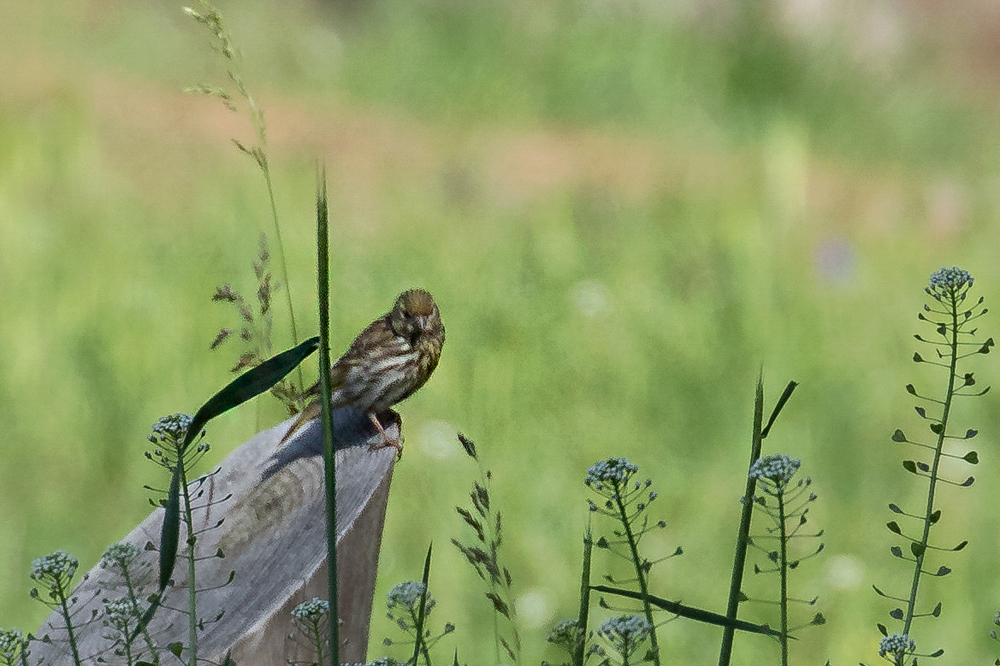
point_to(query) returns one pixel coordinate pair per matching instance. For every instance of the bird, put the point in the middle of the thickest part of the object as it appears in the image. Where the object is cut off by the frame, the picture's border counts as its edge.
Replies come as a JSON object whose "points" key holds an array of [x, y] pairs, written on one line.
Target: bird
{"points": [[388, 361]]}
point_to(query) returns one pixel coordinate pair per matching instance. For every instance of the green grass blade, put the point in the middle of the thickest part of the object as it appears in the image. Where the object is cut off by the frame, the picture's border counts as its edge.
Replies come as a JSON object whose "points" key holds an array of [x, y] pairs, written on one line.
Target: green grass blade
{"points": [[249, 385], [420, 647], [690, 612], [329, 462], [171, 530], [743, 534], [579, 656], [785, 395]]}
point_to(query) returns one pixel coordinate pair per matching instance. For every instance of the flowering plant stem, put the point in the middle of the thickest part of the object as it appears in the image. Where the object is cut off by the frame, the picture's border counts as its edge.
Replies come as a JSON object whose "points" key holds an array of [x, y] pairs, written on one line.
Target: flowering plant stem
{"points": [[928, 519], [579, 650], [192, 588], [64, 606], [620, 490], [154, 655], [316, 639], [783, 573]]}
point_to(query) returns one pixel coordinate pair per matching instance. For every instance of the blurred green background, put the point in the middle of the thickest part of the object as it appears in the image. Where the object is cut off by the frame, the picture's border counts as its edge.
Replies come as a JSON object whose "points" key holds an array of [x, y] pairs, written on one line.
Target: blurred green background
{"points": [[624, 210]]}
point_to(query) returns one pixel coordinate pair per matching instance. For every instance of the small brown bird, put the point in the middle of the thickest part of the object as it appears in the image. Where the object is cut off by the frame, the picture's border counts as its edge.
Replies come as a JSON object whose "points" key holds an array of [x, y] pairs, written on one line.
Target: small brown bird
{"points": [[386, 363]]}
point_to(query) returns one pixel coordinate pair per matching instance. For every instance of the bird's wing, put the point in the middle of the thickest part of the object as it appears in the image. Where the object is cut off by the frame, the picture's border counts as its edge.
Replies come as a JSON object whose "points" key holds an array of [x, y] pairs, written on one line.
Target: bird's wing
{"points": [[369, 342]]}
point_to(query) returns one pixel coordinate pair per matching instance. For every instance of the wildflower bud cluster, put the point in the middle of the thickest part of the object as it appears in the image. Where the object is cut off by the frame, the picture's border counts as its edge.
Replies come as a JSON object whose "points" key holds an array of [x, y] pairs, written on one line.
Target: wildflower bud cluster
{"points": [[168, 437], [895, 645], [121, 614], [55, 569], [949, 279], [625, 633], [775, 470], [313, 610], [119, 555], [612, 479], [407, 597], [13, 647]]}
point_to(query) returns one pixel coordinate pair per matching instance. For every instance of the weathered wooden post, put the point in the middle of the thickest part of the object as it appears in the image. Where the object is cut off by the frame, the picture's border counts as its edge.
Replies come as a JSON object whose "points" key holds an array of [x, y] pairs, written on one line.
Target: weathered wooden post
{"points": [[264, 510]]}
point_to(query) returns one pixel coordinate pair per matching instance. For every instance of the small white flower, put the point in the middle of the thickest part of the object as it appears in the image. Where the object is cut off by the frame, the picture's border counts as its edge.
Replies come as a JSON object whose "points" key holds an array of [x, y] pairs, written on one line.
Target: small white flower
{"points": [[119, 554], [565, 634], [950, 278], [611, 470], [776, 468], [894, 645], [122, 614], [171, 428], [408, 596], [625, 632], [311, 611], [11, 645], [54, 567]]}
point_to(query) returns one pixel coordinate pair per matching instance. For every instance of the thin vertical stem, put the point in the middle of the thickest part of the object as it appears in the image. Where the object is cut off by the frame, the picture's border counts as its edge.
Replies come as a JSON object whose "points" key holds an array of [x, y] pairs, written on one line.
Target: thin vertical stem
{"points": [[69, 625], [932, 486], [192, 588], [281, 254], [583, 618], [329, 467], [743, 534], [135, 603], [420, 645], [783, 572], [640, 572], [318, 640]]}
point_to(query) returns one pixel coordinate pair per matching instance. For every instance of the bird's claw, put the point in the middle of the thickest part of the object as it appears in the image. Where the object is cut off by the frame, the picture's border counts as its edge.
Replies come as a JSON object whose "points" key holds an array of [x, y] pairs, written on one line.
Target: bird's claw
{"points": [[386, 439], [386, 443]]}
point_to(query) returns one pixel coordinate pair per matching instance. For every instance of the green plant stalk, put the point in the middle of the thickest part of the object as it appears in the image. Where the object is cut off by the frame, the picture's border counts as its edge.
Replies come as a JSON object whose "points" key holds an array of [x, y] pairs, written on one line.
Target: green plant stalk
{"points": [[419, 645], [932, 486], [260, 156], [329, 462], [260, 127], [281, 253], [743, 534], [128, 653], [498, 585], [420, 648], [496, 637], [135, 603], [783, 572], [63, 603], [500, 589], [192, 589], [583, 618], [317, 639], [640, 574]]}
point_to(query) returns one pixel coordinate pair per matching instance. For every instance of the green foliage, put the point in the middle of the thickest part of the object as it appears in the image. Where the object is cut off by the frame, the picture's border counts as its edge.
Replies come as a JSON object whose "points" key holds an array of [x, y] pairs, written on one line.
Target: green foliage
{"points": [[955, 340], [687, 223]]}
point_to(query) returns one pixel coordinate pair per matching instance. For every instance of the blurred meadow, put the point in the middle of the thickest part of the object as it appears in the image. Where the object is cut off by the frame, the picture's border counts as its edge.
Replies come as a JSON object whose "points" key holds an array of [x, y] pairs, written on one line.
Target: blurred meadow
{"points": [[624, 210]]}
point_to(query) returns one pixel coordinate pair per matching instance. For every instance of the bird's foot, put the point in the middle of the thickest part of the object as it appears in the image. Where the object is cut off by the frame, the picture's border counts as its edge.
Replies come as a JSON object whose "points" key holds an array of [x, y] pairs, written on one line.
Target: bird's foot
{"points": [[386, 440], [386, 443]]}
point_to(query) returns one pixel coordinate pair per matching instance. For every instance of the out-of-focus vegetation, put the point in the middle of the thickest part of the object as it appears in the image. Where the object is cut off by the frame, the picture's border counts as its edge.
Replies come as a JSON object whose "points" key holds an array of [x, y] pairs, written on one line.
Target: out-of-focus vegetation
{"points": [[624, 210]]}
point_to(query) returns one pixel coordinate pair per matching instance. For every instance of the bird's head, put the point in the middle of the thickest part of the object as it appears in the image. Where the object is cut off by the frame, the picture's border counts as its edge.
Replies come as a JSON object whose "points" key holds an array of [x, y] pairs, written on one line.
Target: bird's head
{"points": [[414, 314]]}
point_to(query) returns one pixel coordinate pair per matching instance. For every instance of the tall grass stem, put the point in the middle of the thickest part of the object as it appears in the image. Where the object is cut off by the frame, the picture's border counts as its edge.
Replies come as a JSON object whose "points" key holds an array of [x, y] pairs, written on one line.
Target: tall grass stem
{"points": [[329, 463]]}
